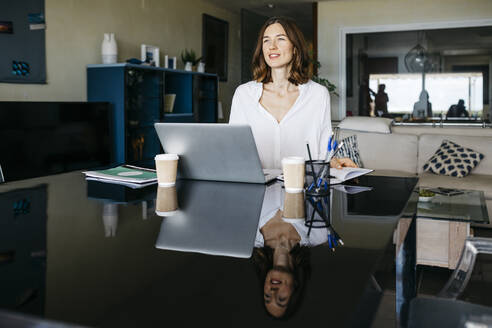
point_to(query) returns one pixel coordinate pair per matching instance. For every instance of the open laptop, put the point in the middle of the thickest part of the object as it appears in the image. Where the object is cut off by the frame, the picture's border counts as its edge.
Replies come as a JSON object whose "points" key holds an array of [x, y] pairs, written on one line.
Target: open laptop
{"points": [[215, 218], [218, 152]]}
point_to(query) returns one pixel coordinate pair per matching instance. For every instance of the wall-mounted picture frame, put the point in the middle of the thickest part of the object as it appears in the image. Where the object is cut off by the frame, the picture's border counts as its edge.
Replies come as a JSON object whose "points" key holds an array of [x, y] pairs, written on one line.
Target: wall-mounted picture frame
{"points": [[21, 42], [149, 54], [215, 43]]}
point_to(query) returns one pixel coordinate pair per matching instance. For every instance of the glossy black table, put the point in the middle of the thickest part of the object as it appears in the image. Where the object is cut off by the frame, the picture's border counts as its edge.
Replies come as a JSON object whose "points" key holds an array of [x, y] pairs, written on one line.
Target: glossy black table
{"points": [[61, 259]]}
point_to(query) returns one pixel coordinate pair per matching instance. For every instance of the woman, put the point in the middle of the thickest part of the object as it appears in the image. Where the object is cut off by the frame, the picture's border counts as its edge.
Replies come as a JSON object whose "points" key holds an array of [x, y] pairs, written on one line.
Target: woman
{"points": [[285, 109]]}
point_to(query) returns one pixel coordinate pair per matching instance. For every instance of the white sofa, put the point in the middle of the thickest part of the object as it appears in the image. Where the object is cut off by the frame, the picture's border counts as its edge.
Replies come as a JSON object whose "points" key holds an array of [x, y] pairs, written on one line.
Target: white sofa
{"points": [[403, 154]]}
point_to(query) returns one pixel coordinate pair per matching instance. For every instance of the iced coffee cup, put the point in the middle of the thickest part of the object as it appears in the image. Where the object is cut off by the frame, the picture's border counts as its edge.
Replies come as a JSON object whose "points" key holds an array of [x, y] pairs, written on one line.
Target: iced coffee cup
{"points": [[293, 169], [166, 203], [294, 206], [166, 166]]}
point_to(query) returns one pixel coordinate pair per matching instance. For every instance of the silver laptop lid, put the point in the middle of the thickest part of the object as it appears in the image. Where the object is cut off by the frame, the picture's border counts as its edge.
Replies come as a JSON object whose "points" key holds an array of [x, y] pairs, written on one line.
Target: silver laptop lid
{"points": [[217, 218], [218, 152]]}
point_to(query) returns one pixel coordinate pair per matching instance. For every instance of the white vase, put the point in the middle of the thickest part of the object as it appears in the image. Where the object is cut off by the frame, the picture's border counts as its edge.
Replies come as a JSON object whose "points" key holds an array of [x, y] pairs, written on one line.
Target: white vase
{"points": [[109, 49], [188, 66], [201, 67]]}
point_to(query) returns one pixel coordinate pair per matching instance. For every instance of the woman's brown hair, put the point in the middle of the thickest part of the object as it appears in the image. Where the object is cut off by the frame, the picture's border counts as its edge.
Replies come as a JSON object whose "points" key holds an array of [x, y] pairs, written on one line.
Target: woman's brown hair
{"points": [[300, 72]]}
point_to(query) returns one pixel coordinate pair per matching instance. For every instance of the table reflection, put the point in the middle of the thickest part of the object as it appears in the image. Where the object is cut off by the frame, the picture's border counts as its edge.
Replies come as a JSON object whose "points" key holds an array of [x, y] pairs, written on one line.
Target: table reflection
{"points": [[216, 218], [111, 196], [223, 240]]}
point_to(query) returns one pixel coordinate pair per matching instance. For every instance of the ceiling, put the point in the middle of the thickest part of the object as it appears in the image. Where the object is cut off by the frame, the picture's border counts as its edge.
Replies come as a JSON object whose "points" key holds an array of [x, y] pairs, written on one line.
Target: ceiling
{"points": [[300, 10], [237, 5], [456, 41]]}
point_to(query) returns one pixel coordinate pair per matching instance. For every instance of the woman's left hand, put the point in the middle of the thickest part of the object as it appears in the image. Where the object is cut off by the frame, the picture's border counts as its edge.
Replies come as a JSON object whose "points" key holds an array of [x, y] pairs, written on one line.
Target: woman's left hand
{"points": [[338, 163]]}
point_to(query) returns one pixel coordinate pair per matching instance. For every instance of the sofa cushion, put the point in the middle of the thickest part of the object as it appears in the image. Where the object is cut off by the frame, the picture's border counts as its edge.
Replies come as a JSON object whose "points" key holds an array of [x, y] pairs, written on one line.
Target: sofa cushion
{"points": [[429, 143], [471, 182], [366, 124], [350, 149], [386, 151], [453, 160]]}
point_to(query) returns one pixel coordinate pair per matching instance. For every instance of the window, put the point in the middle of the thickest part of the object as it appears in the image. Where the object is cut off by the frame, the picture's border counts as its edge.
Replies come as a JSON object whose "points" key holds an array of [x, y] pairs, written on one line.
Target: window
{"points": [[445, 90]]}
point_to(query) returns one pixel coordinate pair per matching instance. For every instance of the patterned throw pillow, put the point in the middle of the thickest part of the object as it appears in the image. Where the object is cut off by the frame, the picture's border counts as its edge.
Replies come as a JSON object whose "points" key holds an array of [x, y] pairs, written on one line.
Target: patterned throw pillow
{"points": [[350, 149], [453, 160]]}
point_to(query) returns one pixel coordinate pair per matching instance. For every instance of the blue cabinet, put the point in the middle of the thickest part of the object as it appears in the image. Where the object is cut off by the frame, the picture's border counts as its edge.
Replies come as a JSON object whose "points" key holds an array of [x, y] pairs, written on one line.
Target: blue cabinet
{"points": [[137, 93]]}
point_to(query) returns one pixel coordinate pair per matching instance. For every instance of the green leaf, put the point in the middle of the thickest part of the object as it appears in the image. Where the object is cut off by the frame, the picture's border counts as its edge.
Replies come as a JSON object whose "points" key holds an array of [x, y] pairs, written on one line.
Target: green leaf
{"points": [[325, 82]]}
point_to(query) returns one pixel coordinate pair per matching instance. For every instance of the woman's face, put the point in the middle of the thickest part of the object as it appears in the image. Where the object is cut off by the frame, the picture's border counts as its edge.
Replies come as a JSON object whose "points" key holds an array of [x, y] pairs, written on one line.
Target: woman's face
{"points": [[277, 291], [277, 48]]}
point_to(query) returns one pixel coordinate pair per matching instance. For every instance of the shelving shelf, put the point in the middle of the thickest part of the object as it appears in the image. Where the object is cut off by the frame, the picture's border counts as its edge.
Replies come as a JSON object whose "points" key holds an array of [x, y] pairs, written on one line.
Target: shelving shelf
{"points": [[137, 95]]}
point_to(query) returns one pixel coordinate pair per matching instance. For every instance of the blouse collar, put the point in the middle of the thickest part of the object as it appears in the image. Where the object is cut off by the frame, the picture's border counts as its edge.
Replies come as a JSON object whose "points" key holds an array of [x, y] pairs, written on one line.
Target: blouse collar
{"points": [[258, 86]]}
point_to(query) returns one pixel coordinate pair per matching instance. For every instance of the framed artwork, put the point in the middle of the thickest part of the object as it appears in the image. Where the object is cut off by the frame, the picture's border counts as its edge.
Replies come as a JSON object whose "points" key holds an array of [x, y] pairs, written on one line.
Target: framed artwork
{"points": [[150, 54], [22, 42], [215, 36]]}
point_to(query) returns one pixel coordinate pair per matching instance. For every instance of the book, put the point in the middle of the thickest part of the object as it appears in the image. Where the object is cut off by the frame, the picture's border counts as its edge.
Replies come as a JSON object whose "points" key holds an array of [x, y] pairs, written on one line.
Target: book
{"points": [[346, 173], [128, 175], [132, 185]]}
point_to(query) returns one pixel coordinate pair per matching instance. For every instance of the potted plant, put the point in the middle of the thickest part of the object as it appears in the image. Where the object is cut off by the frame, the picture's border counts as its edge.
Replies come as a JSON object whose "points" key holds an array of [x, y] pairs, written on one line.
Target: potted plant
{"points": [[189, 59], [315, 66], [330, 86]]}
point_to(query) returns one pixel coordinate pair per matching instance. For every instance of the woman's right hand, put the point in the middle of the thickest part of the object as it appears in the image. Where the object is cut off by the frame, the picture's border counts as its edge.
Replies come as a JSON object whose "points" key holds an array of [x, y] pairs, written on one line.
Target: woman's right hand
{"points": [[338, 163]]}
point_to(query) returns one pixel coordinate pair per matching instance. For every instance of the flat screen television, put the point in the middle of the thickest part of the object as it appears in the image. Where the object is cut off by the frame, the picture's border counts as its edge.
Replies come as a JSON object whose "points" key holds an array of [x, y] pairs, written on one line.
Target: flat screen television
{"points": [[44, 138]]}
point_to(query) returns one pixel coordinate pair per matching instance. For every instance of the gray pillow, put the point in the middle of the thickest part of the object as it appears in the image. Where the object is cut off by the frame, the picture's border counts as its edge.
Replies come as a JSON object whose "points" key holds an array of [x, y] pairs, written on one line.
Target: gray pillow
{"points": [[366, 124], [350, 149]]}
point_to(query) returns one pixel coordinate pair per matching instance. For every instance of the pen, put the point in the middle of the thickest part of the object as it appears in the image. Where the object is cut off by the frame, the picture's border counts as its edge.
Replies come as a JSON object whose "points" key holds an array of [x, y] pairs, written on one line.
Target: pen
{"points": [[332, 145], [338, 149], [323, 173]]}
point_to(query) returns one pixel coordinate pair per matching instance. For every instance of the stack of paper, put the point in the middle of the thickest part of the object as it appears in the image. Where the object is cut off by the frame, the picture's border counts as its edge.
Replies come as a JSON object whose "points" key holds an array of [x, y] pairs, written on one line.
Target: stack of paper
{"points": [[127, 175]]}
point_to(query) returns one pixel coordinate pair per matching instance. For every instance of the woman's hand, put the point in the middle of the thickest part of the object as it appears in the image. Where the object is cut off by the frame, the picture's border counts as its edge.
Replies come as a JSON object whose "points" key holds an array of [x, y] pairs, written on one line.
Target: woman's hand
{"points": [[338, 163]]}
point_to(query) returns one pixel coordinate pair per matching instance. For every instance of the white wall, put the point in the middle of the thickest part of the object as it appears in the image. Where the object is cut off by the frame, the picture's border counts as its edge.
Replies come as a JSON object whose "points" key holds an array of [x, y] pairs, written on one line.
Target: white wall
{"points": [[336, 14], [75, 30]]}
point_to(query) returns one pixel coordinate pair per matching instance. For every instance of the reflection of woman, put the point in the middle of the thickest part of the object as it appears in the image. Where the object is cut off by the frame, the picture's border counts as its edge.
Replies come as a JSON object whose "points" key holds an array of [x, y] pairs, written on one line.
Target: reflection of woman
{"points": [[283, 265], [284, 108], [281, 253]]}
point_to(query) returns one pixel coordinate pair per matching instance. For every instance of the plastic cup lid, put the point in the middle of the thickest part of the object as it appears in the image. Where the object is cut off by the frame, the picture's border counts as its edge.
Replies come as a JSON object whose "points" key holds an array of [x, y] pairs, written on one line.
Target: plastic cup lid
{"points": [[293, 160], [166, 157], [169, 213]]}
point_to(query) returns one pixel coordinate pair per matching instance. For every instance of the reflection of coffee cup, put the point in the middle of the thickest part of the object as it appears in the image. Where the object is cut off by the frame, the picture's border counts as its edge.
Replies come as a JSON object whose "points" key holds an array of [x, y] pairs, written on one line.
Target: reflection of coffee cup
{"points": [[293, 169], [294, 206], [166, 203], [166, 166]]}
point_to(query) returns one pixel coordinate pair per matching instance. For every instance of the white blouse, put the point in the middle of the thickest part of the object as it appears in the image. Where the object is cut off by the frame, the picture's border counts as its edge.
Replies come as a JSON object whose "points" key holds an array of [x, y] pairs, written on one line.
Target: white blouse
{"points": [[273, 201], [307, 121]]}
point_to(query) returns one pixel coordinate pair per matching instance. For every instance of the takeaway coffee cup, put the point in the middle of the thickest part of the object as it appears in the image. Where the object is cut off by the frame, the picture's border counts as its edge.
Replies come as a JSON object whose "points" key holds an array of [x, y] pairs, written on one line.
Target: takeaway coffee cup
{"points": [[166, 203], [293, 169], [166, 166], [294, 206]]}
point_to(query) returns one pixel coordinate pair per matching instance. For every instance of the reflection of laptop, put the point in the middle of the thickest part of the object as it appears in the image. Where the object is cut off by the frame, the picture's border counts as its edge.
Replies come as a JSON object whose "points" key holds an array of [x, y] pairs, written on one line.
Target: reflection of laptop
{"points": [[219, 152], [218, 218]]}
